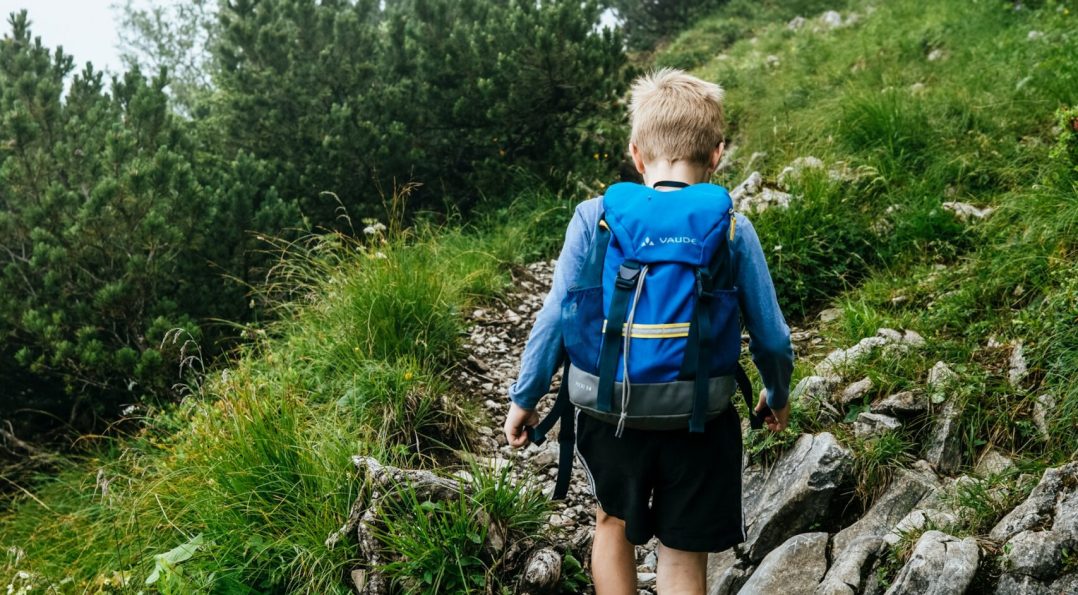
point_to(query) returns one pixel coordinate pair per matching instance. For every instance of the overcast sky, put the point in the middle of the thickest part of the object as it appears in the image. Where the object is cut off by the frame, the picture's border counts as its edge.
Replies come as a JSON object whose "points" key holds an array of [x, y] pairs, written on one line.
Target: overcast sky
{"points": [[86, 28]]}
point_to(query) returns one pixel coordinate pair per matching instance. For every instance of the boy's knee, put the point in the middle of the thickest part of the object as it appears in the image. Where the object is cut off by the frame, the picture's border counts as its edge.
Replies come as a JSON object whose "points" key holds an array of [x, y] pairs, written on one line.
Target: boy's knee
{"points": [[606, 520]]}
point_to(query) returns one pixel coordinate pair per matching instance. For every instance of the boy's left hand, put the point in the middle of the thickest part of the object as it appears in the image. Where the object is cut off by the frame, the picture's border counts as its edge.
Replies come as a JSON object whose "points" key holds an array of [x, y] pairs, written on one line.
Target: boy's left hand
{"points": [[515, 421], [779, 419]]}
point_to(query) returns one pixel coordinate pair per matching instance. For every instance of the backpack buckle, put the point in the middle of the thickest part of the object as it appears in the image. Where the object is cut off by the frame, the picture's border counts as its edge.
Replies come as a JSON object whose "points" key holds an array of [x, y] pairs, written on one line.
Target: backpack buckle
{"points": [[628, 273], [703, 279]]}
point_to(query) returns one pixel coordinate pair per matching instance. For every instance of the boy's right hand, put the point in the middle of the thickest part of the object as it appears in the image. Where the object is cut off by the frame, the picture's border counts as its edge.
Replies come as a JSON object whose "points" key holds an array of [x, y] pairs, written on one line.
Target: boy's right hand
{"points": [[779, 419], [515, 421]]}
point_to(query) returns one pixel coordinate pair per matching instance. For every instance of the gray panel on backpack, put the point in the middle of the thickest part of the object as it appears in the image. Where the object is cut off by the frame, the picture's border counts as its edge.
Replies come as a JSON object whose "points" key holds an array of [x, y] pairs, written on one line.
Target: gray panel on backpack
{"points": [[660, 406]]}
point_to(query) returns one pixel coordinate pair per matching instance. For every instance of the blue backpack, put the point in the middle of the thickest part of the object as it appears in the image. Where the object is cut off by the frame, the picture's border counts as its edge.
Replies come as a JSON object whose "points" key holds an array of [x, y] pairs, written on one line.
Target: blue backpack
{"points": [[651, 328]]}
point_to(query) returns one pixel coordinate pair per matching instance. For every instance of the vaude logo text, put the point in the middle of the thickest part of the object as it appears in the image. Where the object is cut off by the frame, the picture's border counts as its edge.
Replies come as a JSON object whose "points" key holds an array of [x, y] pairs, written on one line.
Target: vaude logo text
{"points": [[584, 387], [668, 240]]}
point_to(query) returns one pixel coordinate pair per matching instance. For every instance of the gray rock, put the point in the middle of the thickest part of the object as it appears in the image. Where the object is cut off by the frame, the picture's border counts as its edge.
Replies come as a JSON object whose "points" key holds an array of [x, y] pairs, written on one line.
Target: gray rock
{"points": [[1044, 405], [1017, 370], [1017, 584], [993, 462], [796, 493], [838, 360], [964, 212], [750, 186], [794, 24], [911, 338], [902, 404], [939, 565], [855, 391], [726, 573], [1066, 513], [1038, 554], [830, 20], [815, 387], [944, 447], [793, 568], [873, 424], [792, 173], [909, 488], [918, 520], [851, 566], [1039, 508], [940, 376], [830, 314]]}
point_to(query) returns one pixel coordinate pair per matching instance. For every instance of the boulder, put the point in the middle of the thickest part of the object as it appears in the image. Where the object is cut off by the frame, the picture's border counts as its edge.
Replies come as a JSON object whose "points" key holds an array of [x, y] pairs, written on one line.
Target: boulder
{"points": [[939, 565], [944, 447], [815, 387], [851, 566], [906, 491], [726, 572], [1037, 554], [1056, 485], [874, 424], [796, 493], [902, 404], [793, 568]]}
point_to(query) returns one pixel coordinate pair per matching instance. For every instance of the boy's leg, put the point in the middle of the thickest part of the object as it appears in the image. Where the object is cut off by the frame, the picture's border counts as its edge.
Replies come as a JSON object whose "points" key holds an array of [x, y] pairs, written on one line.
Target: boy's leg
{"points": [[681, 572], [613, 558]]}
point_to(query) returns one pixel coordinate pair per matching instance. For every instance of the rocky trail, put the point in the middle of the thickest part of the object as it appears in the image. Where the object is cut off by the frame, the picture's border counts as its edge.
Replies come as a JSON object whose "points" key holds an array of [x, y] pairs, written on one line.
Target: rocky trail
{"points": [[801, 538]]}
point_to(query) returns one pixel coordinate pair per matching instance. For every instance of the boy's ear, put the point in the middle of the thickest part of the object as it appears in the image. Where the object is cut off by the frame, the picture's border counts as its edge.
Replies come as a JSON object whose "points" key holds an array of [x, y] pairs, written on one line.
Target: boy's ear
{"points": [[716, 157], [638, 161]]}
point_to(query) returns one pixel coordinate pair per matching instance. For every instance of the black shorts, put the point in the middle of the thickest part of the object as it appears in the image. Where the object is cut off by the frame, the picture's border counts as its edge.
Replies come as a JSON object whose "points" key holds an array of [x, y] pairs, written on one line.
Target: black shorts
{"points": [[681, 487]]}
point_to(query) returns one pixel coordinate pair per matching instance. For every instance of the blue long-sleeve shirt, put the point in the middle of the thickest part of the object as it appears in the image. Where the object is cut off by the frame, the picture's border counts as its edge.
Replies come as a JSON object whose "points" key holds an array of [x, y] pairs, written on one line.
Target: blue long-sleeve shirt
{"points": [[769, 336]]}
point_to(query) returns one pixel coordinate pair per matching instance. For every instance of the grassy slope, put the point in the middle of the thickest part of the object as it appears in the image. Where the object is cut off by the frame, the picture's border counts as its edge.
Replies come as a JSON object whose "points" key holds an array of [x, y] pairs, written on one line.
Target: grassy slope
{"points": [[926, 103], [257, 460]]}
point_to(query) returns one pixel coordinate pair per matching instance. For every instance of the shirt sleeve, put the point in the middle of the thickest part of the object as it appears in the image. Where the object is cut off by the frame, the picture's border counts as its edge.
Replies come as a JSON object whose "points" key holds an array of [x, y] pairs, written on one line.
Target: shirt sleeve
{"points": [[544, 346], [769, 336]]}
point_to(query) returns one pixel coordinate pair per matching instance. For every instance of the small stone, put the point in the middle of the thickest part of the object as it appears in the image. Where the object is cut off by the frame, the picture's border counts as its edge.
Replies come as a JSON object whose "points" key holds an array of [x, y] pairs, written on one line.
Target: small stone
{"points": [[831, 20], [966, 212], [794, 24], [856, 391], [827, 315], [890, 334], [1018, 369], [944, 447], [916, 89], [940, 376], [651, 561], [935, 55], [911, 338], [772, 61], [645, 579], [918, 520], [873, 424], [993, 463], [1031, 36], [905, 403], [1042, 407]]}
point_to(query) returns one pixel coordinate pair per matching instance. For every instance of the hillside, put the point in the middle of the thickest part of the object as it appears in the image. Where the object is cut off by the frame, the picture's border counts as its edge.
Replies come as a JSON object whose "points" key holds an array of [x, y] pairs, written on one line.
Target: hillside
{"points": [[912, 170]]}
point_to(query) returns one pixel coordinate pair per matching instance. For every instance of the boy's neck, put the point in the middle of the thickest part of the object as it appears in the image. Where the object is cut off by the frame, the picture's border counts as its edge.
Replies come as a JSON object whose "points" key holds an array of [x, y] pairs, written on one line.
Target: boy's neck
{"points": [[675, 171]]}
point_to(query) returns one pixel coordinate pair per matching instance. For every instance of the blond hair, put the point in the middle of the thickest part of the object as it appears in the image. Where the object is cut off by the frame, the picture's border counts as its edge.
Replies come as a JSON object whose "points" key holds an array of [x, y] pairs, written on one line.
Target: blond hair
{"points": [[676, 116]]}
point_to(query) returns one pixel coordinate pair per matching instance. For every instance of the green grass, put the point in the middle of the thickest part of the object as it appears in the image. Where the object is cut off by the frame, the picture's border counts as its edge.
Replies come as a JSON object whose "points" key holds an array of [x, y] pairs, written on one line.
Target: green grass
{"points": [[255, 462]]}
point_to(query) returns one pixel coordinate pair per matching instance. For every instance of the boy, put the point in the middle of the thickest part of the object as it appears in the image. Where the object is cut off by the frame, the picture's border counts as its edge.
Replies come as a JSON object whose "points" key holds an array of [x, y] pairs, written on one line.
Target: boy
{"points": [[684, 488]]}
